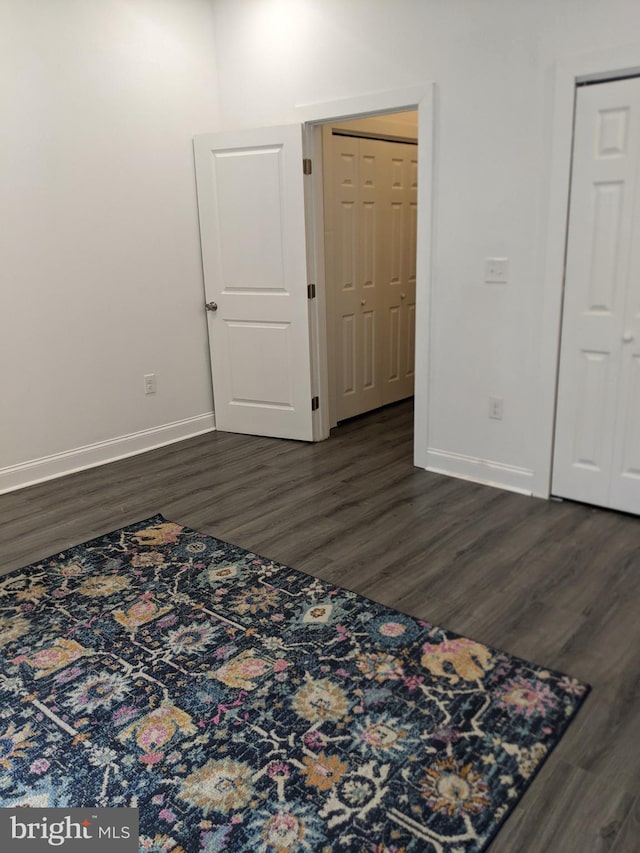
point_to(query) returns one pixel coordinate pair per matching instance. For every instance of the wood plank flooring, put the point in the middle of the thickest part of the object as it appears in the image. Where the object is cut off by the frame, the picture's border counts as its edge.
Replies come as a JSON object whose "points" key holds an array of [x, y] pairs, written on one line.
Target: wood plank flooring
{"points": [[557, 583]]}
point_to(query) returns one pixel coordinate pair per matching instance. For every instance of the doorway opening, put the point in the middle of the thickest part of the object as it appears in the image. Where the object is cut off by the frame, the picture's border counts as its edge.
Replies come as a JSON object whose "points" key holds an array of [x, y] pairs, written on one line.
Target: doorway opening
{"points": [[404, 106]]}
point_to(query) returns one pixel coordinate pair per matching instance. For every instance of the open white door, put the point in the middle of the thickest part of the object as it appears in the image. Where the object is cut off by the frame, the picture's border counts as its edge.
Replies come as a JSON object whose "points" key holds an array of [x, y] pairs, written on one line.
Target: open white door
{"points": [[252, 224]]}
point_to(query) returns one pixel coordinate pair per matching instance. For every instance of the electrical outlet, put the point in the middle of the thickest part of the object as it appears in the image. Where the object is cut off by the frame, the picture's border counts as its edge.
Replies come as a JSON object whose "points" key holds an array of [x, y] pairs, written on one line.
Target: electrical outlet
{"points": [[150, 383], [496, 270], [495, 408]]}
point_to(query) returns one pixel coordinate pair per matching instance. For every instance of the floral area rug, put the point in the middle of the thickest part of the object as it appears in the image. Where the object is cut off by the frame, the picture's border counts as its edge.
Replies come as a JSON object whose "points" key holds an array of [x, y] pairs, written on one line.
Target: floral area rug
{"points": [[245, 706]]}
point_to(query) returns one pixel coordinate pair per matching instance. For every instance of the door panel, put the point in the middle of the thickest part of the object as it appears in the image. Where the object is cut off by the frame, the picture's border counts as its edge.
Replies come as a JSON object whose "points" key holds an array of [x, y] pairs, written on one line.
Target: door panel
{"points": [[252, 225], [394, 345], [400, 278], [241, 174], [348, 340], [590, 446], [370, 219], [369, 367], [605, 240], [598, 414], [630, 443]]}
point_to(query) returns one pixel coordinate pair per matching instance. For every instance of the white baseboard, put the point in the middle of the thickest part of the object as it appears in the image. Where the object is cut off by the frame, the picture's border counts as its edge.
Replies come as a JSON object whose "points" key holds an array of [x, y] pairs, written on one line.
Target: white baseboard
{"points": [[80, 458], [483, 471]]}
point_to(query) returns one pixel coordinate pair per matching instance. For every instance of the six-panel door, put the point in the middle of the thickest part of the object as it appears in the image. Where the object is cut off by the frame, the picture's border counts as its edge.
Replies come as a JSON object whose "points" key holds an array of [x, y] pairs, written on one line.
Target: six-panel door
{"points": [[370, 195], [597, 447]]}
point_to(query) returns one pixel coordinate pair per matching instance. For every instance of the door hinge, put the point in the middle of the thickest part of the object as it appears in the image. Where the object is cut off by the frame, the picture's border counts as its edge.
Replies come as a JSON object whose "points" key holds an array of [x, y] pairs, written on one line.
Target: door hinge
{"points": [[311, 291], [315, 403], [306, 166]]}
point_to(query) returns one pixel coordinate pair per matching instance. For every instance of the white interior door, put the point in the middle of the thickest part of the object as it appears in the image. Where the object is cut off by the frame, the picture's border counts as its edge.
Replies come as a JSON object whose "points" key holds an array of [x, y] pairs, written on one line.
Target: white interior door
{"points": [[597, 449], [353, 210], [252, 225], [371, 225]]}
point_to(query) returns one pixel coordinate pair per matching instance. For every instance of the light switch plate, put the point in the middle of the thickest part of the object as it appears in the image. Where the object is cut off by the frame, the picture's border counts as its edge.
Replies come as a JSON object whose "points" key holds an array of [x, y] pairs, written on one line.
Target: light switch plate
{"points": [[496, 270]]}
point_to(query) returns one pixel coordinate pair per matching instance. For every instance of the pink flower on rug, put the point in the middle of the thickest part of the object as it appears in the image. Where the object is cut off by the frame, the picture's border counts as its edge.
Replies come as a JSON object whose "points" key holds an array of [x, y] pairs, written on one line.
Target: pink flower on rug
{"points": [[124, 715], [313, 740], [343, 633], [279, 770], [168, 815], [223, 652], [571, 686], [412, 682], [527, 697], [151, 758]]}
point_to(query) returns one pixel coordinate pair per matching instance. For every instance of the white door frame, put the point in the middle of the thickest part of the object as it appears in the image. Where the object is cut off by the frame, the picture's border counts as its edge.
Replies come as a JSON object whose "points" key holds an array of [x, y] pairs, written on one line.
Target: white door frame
{"points": [[420, 98], [601, 65]]}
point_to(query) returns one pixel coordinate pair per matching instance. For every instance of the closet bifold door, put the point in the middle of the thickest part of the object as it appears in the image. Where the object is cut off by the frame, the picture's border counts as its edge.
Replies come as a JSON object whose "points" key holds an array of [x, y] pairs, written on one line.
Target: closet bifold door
{"points": [[597, 447]]}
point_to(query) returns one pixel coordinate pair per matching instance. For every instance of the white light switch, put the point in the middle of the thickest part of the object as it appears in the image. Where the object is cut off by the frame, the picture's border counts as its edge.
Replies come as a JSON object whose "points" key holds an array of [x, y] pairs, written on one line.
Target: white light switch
{"points": [[496, 270]]}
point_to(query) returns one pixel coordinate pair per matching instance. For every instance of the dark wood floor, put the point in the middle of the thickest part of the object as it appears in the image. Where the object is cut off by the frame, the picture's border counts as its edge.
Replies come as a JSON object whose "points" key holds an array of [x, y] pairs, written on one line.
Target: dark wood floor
{"points": [[557, 583]]}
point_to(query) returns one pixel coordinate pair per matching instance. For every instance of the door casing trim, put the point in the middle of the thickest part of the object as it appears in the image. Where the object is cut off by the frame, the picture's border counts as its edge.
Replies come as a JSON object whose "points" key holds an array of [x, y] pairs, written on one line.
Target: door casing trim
{"points": [[589, 67], [421, 98]]}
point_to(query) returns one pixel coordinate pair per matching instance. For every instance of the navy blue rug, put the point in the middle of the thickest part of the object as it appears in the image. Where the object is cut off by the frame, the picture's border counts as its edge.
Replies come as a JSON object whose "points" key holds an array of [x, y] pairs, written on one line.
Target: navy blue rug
{"points": [[245, 706]]}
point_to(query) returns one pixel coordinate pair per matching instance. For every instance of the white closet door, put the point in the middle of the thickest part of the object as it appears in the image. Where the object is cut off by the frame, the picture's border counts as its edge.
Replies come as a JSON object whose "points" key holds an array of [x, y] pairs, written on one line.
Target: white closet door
{"points": [[252, 226], [371, 219], [597, 449], [357, 214]]}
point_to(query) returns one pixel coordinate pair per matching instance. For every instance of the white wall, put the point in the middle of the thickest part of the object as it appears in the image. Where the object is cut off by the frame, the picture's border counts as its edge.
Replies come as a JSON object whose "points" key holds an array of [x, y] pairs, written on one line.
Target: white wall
{"points": [[493, 63], [100, 275], [100, 265]]}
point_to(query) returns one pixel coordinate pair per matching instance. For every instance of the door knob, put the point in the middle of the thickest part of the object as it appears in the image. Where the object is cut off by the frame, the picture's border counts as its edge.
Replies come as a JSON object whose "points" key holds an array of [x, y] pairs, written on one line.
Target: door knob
{"points": [[363, 302], [627, 338], [211, 306]]}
